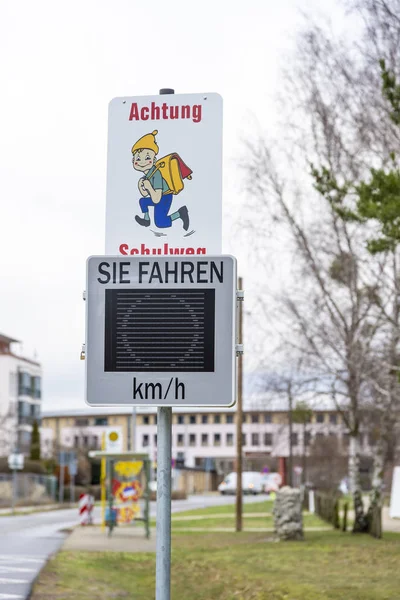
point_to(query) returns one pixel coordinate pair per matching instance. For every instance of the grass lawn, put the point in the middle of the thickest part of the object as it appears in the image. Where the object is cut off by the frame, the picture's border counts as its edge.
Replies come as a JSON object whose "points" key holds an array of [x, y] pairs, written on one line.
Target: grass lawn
{"points": [[264, 506], [230, 521], [224, 517], [228, 566]]}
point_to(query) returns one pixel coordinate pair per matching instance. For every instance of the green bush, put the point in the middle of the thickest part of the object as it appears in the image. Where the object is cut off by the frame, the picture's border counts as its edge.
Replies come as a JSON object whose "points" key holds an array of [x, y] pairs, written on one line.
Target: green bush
{"points": [[30, 466]]}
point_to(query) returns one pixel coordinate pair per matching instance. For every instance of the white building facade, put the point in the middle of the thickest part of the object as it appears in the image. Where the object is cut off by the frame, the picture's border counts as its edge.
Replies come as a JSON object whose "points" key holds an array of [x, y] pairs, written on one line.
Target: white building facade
{"points": [[20, 398], [198, 436]]}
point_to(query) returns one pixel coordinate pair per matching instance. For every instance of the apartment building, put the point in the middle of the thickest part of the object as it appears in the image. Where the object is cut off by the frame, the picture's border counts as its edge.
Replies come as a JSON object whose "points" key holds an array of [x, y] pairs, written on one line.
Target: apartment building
{"points": [[198, 436], [20, 397]]}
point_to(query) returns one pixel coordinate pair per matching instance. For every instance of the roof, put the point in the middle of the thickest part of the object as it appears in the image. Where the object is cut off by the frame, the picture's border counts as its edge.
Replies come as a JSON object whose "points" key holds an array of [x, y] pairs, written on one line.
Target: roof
{"points": [[6, 339]]}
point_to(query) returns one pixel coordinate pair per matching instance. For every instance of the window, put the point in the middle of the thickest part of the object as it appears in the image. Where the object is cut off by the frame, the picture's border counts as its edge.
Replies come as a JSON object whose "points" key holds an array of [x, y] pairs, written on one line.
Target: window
{"points": [[85, 441], [192, 419], [217, 439], [95, 442], [244, 439], [267, 439], [81, 422], [192, 439], [76, 441], [217, 419], [204, 439], [180, 460], [229, 418], [101, 421], [24, 384], [36, 387], [254, 418], [181, 419], [204, 419], [243, 418], [145, 440], [320, 417], [24, 409], [180, 439], [295, 439], [333, 419], [229, 439], [255, 439], [155, 419], [307, 438], [320, 437], [155, 439], [146, 420], [267, 418]]}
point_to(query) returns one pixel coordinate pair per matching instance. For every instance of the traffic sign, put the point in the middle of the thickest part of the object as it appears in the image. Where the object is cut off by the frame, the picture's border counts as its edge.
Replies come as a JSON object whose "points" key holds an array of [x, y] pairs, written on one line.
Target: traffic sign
{"points": [[16, 461], [164, 175], [160, 331], [114, 439]]}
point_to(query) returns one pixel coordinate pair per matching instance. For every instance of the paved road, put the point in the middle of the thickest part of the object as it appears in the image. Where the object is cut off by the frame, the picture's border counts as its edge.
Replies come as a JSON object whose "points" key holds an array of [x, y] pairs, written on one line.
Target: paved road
{"points": [[27, 541]]}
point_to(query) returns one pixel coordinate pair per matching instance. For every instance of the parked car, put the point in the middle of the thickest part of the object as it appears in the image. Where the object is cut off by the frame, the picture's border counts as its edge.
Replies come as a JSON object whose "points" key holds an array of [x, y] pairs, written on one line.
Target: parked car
{"points": [[251, 483]]}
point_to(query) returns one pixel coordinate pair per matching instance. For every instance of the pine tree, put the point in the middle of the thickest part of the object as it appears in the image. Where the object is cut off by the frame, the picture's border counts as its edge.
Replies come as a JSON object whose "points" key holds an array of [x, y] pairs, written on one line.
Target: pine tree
{"points": [[35, 442]]}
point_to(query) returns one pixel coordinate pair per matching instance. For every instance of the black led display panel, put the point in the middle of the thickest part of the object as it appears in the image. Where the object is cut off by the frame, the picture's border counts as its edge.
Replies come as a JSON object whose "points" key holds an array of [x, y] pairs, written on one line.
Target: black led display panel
{"points": [[167, 330]]}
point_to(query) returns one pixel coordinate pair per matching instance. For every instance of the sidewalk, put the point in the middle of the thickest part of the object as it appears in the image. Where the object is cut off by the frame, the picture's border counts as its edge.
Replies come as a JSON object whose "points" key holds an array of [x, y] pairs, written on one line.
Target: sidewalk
{"points": [[123, 539], [389, 524]]}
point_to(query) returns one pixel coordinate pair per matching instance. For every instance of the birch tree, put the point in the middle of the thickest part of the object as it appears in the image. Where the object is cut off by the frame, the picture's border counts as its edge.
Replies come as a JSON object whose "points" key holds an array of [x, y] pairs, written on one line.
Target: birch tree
{"points": [[337, 126]]}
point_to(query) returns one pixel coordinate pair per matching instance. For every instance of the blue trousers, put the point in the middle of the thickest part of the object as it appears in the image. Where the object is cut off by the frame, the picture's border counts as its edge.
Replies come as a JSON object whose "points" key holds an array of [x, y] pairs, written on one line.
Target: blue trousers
{"points": [[161, 210]]}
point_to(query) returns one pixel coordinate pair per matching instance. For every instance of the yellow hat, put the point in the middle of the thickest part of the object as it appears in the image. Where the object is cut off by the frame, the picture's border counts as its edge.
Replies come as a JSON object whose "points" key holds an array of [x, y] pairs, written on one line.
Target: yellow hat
{"points": [[147, 142]]}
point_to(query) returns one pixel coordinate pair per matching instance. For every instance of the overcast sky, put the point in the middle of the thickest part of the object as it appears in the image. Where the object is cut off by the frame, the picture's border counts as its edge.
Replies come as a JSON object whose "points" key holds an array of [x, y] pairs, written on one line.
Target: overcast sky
{"points": [[62, 62]]}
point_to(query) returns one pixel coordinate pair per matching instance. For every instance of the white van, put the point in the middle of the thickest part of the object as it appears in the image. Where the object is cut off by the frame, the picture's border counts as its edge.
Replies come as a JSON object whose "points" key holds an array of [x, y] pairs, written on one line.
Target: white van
{"points": [[251, 483]]}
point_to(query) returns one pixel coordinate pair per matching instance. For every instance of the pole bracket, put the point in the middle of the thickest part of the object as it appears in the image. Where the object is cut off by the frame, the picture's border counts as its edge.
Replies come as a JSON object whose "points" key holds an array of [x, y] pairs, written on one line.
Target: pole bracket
{"points": [[239, 349], [83, 352], [240, 295]]}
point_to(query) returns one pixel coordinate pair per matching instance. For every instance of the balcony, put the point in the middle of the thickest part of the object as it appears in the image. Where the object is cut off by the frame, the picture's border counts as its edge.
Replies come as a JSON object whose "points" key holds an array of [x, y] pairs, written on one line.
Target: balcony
{"points": [[28, 420]]}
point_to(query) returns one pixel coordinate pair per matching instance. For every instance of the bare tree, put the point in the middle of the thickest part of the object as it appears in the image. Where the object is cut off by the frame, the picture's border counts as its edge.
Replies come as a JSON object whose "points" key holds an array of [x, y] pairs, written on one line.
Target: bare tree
{"points": [[333, 312]]}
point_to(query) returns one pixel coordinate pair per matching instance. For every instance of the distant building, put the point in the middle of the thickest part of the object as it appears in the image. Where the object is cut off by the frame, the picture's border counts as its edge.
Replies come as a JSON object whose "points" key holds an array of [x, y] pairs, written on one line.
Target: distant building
{"points": [[20, 397], [199, 435]]}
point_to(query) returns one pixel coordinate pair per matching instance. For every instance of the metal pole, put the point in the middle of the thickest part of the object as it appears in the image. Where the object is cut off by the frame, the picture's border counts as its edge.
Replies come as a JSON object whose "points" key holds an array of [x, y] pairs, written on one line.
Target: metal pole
{"points": [[239, 420], [163, 542], [71, 478], [164, 451], [290, 398], [133, 431], [14, 490], [61, 483]]}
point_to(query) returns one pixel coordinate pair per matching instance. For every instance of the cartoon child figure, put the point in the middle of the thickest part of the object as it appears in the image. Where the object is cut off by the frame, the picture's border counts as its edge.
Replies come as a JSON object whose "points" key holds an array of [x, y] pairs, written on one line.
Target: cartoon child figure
{"points": [[153, 187]]}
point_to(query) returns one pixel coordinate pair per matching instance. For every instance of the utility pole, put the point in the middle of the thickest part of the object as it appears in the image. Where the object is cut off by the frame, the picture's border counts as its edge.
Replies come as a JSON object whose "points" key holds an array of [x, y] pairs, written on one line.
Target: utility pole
{"points": [[61, 479], [290, 469], [133, 430], [239, 417]]}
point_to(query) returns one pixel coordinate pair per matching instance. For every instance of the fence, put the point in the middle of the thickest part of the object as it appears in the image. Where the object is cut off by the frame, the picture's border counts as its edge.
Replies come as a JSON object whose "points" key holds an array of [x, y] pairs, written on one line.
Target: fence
{"points": [[329, 508], [375, 522], [30, 489]]}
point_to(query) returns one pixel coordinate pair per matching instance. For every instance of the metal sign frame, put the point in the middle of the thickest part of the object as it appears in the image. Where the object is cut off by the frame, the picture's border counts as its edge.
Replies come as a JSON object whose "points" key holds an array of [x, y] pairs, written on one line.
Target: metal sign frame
{"points": [[140, 310]]}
